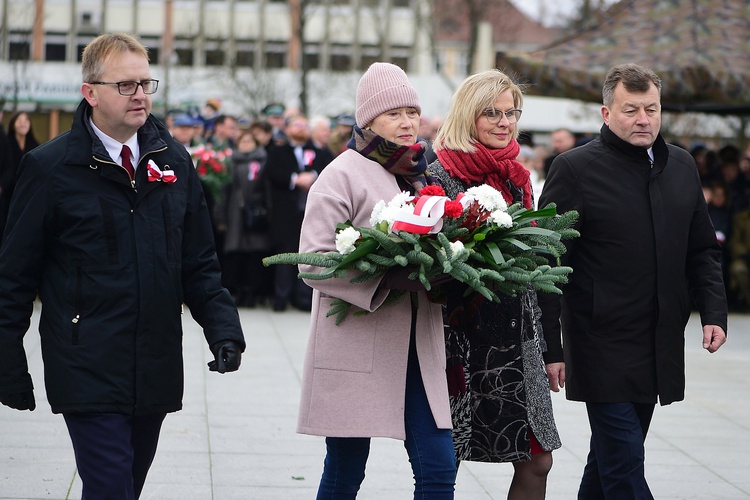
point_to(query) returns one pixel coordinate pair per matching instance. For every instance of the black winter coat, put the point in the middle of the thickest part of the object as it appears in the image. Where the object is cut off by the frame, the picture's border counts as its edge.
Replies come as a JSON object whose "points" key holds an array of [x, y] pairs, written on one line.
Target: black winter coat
{"points": [[112, 266], [646, 243], [287, 205]]}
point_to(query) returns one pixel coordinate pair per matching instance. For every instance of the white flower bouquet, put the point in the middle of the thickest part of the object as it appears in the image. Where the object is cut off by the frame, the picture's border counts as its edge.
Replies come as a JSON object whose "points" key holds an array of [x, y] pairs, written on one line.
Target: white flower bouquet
{"points": [[477, 239]]}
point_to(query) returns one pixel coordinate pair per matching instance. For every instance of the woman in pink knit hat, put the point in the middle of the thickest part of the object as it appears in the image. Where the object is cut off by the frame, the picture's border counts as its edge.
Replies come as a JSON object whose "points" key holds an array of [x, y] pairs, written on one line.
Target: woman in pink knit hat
{"points": [[380, 374]]}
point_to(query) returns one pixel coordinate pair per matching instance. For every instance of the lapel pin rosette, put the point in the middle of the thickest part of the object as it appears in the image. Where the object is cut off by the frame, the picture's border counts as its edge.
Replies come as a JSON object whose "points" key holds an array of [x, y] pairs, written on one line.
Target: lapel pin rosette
{"points": [[476, 239]]}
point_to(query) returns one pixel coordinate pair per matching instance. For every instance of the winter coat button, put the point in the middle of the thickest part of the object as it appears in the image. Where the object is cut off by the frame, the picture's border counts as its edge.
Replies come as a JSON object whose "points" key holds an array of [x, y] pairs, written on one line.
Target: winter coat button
{"points": [[513, 323]]}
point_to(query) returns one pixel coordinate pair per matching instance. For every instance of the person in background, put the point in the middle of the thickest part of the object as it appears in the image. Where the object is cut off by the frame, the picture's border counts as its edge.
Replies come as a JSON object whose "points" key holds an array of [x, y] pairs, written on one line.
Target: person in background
{"points": [[274, 114], [208, 116], [739, 260], [169, 117], [7, 174], [647, 247], [183, 130], [320, 134], [499, 392], [528, 158], [262, 132], [435, 123], [223, 139], [341, 134], [21, 139], [110, 229], [291, 168], [225, 133], [426, 134], [244, 248], [380, 374], [562, 140]]}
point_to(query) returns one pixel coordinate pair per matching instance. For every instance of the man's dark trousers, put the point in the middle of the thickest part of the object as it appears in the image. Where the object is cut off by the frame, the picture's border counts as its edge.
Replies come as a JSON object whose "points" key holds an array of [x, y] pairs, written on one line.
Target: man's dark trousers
{"points": [[615, 465], [113, 452]]}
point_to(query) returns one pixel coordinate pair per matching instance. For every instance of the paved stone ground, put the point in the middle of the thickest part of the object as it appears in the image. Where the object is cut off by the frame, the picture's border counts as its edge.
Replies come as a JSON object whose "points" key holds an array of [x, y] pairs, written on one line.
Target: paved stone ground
{"points": [[235, 437]]}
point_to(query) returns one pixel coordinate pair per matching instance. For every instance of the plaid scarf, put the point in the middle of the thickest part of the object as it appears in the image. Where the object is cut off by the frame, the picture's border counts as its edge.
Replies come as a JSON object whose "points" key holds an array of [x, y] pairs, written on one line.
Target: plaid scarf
{"points": [[407, 161], [491, 166]]}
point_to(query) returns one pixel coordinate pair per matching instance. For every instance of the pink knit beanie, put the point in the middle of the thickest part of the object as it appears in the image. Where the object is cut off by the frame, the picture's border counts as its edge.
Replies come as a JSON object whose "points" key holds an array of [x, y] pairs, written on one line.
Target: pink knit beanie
{"points": [[383, 87]]}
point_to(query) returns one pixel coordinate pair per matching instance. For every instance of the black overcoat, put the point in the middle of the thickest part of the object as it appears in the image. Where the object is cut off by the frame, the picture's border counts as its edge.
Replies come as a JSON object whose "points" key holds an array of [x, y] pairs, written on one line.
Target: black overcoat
{"points": [[287, 203], [647, 246], [112, 265]]}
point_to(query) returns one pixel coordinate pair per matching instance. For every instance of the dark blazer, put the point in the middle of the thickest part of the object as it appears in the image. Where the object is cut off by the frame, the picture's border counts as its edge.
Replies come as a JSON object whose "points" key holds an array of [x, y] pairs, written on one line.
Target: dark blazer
{"points": [[286, 204], [112, 266], [646, 243]]}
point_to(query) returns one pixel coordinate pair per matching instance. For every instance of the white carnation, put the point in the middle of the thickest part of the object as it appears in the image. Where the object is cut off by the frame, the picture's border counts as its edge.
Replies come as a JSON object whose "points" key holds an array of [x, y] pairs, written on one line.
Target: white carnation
{"points": [[501, 218], [489, 198], [376, 216], [345, 240], [457, 247], [387, 213], [401, 199]]}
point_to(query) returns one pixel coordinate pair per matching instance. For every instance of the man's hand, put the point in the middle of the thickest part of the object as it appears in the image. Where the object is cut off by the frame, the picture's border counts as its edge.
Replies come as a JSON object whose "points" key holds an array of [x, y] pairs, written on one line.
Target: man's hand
{"points": [[713, 337], [305, 180], [556, 376], [19, 401], [227, 356]]}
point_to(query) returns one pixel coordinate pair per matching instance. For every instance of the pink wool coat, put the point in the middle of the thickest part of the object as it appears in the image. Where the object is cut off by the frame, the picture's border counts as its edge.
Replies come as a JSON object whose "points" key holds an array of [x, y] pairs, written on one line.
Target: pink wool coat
{"points": [[354, 377]]}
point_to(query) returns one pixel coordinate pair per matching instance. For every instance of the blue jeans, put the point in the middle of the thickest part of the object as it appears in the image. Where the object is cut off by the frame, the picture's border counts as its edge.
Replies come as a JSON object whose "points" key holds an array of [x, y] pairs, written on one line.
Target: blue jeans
{"points": [[615, 466], [430, 450]]}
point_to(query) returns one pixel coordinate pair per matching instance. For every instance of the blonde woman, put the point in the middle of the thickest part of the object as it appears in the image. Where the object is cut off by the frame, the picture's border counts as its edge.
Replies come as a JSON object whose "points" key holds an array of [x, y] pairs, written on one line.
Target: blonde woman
{"points": [[499, 392]]}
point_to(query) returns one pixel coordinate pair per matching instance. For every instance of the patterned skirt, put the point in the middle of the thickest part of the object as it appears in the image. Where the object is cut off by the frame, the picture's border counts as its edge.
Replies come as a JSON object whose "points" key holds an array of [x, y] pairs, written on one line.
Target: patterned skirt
{"points": [[496, 378]]}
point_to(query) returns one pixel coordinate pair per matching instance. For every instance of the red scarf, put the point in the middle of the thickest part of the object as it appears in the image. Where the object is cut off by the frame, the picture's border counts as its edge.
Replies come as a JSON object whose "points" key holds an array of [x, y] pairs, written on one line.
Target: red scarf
{"points": [[490, 166]]}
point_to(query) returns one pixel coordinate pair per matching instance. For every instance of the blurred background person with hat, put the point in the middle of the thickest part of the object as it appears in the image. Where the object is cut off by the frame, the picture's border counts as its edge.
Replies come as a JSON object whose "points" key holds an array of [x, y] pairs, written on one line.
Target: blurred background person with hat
{"points": [[209, 114], [183, 130], [274, 114], [341, 133]]}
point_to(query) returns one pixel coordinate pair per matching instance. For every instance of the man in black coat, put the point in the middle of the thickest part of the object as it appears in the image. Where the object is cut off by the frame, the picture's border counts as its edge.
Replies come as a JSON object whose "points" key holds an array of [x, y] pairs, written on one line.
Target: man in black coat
{"points": [[109, 226], [290, 171], [647, 249]]}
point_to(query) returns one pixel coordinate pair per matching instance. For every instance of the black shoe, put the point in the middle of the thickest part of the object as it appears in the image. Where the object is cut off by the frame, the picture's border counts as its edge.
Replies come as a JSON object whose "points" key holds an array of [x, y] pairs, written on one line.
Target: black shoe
{"points": [[279, 305]]}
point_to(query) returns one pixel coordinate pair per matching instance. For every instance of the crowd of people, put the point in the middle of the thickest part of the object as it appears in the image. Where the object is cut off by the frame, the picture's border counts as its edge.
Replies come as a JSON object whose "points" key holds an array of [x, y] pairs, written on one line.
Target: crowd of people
{"points": [[114, 249]]}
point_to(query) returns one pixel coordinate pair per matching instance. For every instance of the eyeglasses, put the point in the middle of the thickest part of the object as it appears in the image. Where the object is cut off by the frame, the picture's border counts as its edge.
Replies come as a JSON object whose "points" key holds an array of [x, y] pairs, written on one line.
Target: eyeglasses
{"points": [[494, 116], [130, 88]]}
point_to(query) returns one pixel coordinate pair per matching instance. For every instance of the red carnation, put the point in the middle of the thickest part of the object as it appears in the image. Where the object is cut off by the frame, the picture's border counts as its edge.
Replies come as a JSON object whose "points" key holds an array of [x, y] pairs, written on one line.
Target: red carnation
{"points": [[431, 191], [453, 209]]}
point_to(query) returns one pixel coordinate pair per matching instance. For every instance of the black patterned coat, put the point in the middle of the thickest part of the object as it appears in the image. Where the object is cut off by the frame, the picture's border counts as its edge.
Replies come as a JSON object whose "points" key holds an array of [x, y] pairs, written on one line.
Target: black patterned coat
{"points": [[498, 386]]}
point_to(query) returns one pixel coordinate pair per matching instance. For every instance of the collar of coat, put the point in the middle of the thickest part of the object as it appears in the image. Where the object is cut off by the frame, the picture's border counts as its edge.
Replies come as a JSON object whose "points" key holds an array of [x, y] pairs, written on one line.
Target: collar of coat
{"points": [[637, 153], [84, 143]]}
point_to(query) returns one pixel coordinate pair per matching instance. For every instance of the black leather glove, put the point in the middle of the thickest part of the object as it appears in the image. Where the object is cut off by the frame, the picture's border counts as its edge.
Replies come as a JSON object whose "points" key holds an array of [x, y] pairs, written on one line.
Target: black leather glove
{"points": [[227, 356], [19, 401], [441, 279], [398, 279]]}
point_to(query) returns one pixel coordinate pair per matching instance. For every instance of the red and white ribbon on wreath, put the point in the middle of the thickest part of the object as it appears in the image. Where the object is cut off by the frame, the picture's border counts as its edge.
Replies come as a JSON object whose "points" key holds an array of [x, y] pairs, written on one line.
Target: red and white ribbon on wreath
{"points": [[426, 217]]}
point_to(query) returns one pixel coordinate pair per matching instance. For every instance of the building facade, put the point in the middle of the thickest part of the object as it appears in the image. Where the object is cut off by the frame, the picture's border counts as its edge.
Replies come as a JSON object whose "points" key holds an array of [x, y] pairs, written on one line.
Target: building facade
{"points": [[251, 52]]}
